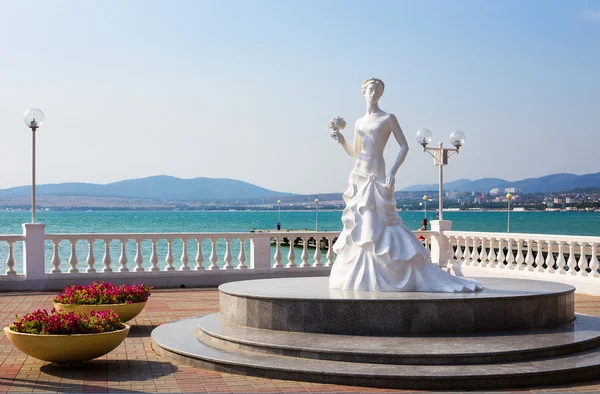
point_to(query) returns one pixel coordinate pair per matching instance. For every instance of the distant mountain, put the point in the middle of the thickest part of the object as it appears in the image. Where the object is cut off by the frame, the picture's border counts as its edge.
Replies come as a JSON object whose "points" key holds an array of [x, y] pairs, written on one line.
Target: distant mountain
{"points": [[545, 184], [160, 187]]}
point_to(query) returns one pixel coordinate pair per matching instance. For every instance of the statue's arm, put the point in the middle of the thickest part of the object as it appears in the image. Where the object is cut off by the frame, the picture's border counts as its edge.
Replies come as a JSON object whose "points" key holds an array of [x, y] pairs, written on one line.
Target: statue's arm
{"points": [[399, 135], [352, 151]]}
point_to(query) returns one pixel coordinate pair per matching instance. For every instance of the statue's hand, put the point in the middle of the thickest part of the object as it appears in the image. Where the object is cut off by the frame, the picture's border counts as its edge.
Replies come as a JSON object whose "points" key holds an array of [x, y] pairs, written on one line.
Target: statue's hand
{"points": [[339, 137], [390, 181]]}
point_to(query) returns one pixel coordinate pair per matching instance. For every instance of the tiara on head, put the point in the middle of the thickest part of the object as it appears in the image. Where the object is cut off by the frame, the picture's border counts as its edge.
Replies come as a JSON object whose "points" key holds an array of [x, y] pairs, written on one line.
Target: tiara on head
{"points": [[374, 80]]}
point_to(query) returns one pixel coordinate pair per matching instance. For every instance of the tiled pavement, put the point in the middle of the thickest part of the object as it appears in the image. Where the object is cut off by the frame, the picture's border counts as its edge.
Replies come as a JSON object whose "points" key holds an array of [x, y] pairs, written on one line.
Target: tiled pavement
{"points": [[134, 367]]}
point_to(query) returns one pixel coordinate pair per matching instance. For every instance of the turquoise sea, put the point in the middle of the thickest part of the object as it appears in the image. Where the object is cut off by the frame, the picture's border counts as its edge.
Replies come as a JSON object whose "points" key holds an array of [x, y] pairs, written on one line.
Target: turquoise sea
{"points": [[572, 223], [567, 223]]}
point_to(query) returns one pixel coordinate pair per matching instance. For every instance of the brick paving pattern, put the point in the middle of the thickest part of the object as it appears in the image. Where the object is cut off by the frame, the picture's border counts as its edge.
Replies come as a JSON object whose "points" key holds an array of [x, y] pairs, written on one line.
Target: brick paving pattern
{"points": [[134, 367]]}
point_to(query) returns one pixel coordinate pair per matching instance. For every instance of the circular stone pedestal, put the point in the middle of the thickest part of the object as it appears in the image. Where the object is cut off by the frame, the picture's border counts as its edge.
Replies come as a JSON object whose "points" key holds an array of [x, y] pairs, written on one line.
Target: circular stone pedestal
{"points": [[308, 305], [515, 333]]}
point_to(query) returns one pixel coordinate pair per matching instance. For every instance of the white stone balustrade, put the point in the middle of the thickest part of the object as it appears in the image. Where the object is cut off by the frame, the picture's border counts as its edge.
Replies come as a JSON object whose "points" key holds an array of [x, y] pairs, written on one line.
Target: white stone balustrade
{"points": [[35, 260], [568, 259], [62, 259]]}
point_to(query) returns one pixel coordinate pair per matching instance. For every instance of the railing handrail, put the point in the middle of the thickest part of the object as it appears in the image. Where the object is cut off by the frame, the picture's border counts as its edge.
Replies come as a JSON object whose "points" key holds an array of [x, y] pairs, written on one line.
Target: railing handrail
{"points": [[11, 237], [190, 235], [525, 236]]}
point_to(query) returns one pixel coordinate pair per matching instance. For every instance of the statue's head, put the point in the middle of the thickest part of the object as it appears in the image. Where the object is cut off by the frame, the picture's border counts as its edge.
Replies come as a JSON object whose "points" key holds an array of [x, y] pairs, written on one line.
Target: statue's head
{"points": [[373, 89]]}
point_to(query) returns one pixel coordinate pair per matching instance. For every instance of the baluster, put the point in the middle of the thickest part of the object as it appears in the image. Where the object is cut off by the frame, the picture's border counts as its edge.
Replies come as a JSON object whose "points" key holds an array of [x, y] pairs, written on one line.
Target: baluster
{"points": [[330, 256], [539, 258], [73, 257], [572, 263], [106, 260], [228, 257], [199, 256], [291, 255], [154, 257], [458, 252], [550, 257], [10, 261], [483, 255], [184, 256], [529, 258], [560, 261], [492, 254], [520, 258], [169, 259], [467, 255], [242, 256], [138, 259], [475, 252], [277, 256], [583, 262], [214, 258], [304, 255], [55, 259], [510, 257], [123, 257], [91, 260], [317, 256], [594, 264], [501, 258]]}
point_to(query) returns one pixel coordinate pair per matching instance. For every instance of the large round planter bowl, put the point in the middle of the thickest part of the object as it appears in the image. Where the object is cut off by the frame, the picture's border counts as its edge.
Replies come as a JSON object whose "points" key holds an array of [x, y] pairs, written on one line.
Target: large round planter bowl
{"points": [[66, 349], [125, 311]]}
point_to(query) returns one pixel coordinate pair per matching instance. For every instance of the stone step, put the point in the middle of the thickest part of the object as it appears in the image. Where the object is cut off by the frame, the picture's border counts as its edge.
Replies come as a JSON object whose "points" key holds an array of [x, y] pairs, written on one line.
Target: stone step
{"points": [[177, 341], [580, 335]]}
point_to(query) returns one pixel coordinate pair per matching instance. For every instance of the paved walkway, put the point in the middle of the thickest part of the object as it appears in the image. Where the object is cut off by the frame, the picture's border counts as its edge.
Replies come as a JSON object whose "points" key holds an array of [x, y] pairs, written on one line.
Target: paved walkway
{"points": [[134, 367]]}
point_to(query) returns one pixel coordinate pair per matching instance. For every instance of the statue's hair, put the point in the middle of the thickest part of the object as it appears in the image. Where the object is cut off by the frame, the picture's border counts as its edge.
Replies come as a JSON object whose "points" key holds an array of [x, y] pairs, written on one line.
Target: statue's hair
{"points": [[370, 81]]}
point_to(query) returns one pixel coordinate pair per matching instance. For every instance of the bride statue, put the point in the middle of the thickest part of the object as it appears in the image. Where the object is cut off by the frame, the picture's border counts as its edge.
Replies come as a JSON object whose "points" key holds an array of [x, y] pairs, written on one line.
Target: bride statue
{"points": [[375, 252]]}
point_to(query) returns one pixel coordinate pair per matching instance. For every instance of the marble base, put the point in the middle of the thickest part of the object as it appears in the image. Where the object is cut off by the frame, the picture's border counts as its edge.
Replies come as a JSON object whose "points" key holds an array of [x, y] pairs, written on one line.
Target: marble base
{"points": [[178, 341], [308, 305], [516, 333]]}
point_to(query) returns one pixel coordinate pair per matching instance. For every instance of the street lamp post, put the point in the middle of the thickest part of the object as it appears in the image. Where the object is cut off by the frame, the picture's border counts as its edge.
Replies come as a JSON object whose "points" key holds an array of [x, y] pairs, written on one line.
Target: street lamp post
{"points": [[316, 214], [33, 118], [508, 198], [425, 199], [278, 214], [440, 157]]}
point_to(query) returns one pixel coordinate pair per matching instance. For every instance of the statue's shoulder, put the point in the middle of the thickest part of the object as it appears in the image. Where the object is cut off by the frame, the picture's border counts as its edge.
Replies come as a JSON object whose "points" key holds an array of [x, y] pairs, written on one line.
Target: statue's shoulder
{"points": [[391, 118]]}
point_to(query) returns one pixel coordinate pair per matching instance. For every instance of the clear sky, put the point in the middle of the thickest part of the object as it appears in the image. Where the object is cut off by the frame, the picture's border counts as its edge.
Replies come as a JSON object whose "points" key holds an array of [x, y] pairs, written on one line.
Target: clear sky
{"points": [[245, 89]]}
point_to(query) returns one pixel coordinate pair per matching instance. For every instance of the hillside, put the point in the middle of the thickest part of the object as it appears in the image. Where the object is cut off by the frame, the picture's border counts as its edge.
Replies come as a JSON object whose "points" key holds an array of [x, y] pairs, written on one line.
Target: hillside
{"points": [[160, 187], [545, 184]]}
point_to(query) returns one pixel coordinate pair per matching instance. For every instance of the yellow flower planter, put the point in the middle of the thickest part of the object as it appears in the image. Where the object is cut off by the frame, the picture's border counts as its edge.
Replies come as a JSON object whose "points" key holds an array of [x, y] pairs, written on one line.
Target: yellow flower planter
{"points": [[125, 311], [66, 349]]}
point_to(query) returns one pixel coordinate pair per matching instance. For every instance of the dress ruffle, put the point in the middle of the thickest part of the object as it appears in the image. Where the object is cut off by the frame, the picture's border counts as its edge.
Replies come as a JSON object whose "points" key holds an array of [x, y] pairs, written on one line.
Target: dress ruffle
{"points": [[375, 252]]}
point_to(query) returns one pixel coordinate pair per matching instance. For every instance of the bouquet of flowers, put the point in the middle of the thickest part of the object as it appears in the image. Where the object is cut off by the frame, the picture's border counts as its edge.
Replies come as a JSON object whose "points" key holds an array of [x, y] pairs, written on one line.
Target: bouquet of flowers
{"points": [[41, 322], [103, 293], [336, 124]]}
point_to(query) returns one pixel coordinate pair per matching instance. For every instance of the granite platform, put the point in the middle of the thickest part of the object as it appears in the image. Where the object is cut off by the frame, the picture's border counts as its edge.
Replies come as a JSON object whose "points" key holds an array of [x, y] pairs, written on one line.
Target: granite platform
{"points": [[550, 345], [308, 305]]}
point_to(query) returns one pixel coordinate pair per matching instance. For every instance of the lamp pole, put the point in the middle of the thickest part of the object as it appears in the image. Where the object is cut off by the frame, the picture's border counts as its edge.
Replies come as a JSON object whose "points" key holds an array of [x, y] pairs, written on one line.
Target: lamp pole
{"points": [[278, 214], [316, 214], [508, 197], [440, 157], [33, 118], [425, 199]]}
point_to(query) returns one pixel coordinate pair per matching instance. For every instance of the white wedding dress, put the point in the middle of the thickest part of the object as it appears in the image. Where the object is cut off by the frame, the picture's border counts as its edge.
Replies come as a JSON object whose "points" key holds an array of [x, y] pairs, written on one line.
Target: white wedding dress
{"points": [[375, 252]]}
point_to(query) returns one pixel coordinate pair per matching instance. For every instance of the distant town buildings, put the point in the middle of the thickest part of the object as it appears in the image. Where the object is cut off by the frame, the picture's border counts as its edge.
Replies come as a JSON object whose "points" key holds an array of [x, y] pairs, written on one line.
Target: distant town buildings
{"points": [[495, 191]]}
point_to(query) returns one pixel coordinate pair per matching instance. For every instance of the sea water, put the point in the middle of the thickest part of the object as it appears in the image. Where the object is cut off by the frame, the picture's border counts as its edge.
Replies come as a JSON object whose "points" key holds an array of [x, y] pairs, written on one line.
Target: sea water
{"points": [[565, 223]]}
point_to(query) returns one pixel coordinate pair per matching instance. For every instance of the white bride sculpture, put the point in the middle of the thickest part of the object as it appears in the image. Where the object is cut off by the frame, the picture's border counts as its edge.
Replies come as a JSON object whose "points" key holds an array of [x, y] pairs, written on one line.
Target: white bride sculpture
{"points": [[375, 252]]}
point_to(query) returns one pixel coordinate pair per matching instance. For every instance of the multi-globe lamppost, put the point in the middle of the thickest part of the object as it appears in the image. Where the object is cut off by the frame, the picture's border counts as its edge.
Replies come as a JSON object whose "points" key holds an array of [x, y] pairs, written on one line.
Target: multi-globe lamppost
{"points": [[440, 156], [33, 118]]}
